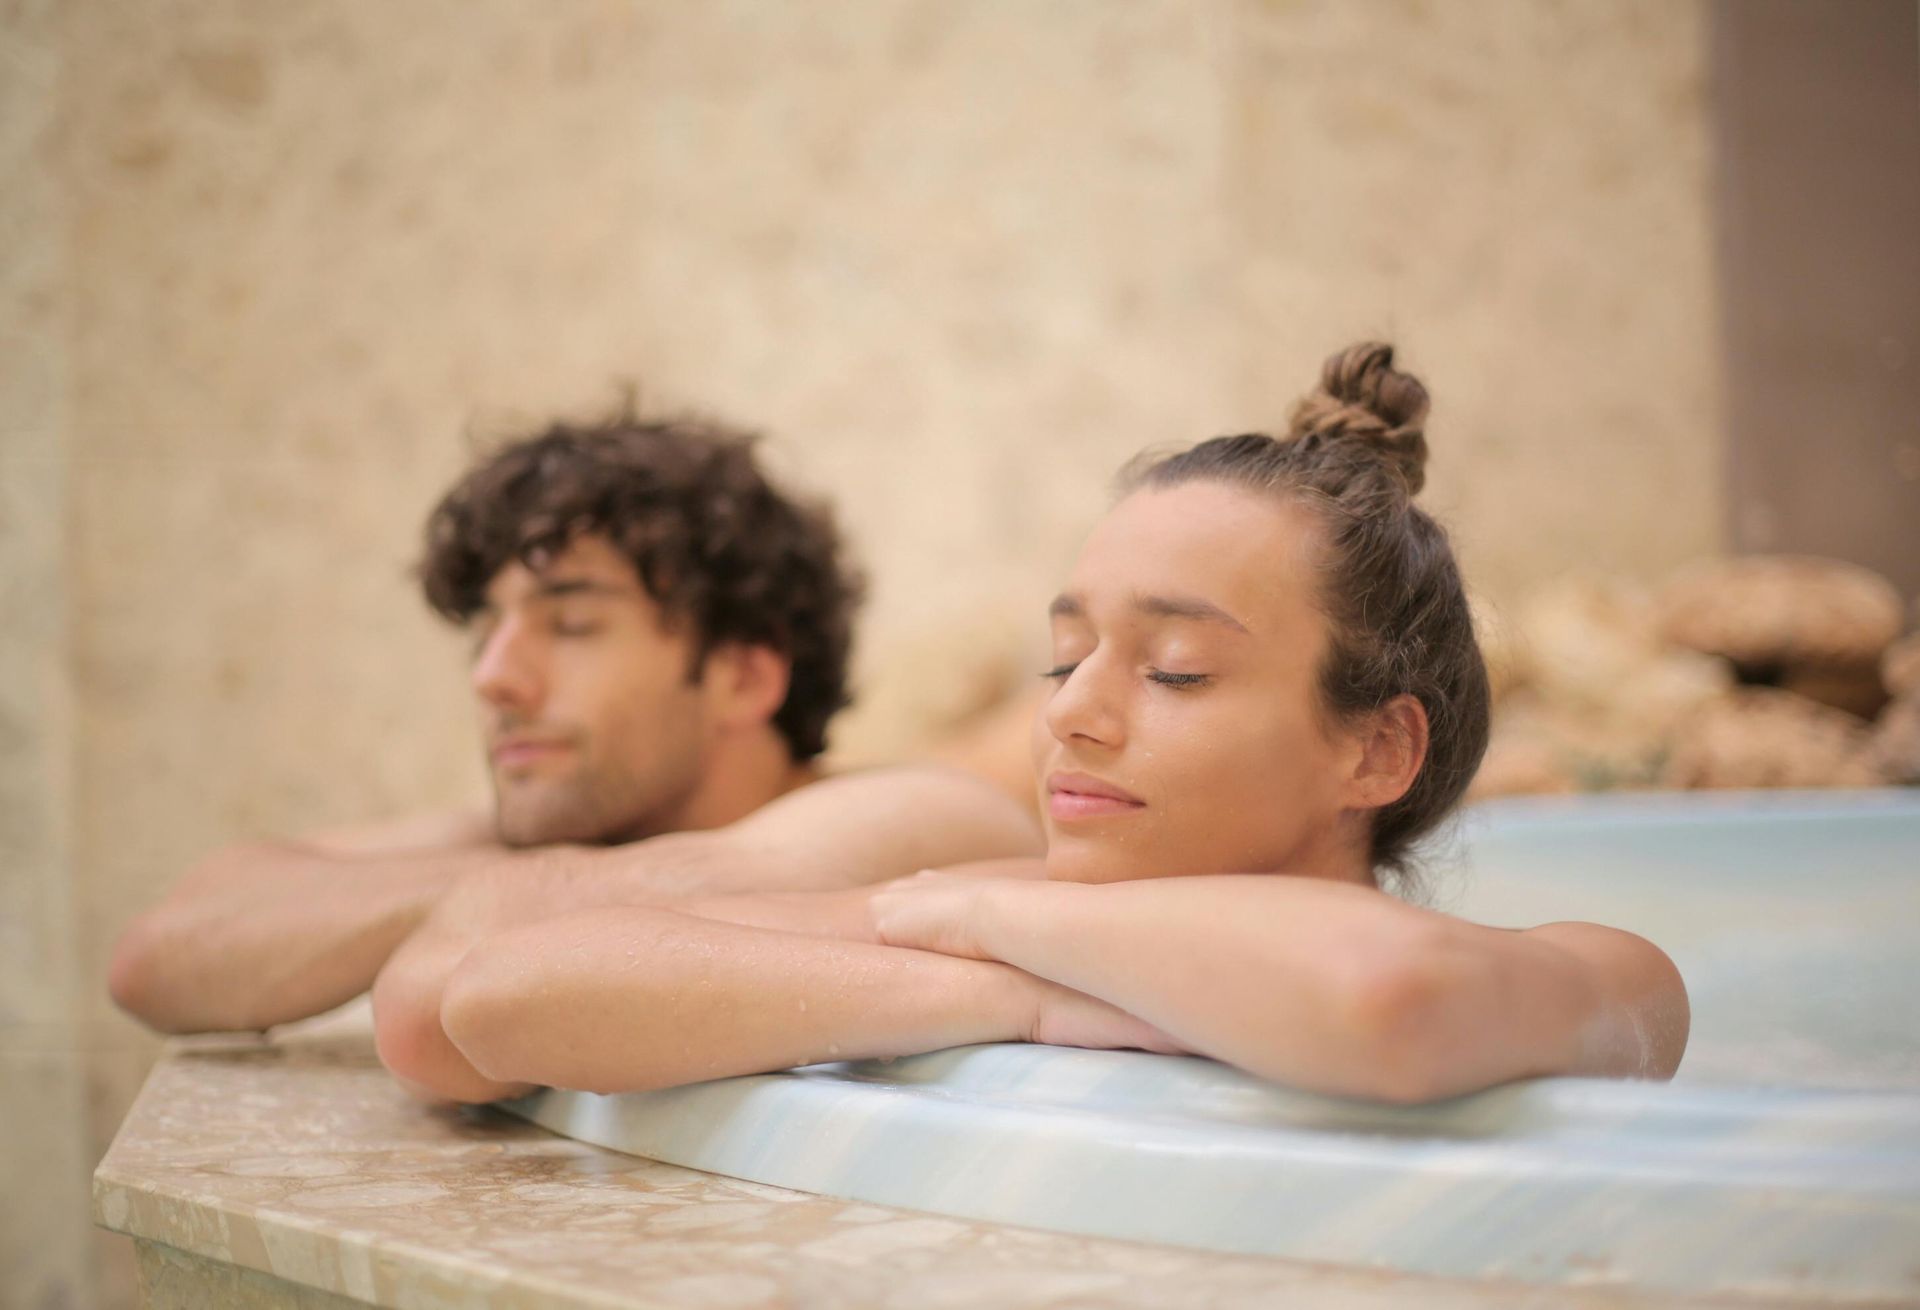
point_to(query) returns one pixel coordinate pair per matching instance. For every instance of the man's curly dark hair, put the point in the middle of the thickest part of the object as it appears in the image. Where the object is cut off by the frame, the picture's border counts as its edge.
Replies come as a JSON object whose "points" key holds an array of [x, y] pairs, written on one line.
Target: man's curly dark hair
{"points": [[715, 544]]}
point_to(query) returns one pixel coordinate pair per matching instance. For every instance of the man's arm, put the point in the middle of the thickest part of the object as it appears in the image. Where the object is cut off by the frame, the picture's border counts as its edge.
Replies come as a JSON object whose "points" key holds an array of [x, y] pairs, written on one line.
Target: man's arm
{"points": [[1326, 986], [833, 835], [858, 829], [265, 932], [272, 932], [635, 999]]}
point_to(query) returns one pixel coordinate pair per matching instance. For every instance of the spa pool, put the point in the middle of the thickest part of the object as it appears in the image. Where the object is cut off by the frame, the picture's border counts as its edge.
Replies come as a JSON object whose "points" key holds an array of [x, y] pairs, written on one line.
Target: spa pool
{"points": [[1784, 1160]]}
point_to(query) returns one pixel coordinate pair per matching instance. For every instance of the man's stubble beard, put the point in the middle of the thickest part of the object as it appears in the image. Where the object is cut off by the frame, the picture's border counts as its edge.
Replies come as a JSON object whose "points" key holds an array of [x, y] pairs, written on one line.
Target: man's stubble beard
{"points": [[599, 804]]}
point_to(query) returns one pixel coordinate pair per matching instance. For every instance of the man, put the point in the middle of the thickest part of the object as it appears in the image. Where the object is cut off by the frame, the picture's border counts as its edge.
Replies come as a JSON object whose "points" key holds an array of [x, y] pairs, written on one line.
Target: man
{"points": [[659, 640]]}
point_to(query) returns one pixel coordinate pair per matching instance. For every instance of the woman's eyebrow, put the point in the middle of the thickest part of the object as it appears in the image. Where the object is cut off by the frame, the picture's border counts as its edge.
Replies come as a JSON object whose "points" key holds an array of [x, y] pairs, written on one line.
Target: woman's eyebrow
{"points": [[1068, 606], [1188, 607]]}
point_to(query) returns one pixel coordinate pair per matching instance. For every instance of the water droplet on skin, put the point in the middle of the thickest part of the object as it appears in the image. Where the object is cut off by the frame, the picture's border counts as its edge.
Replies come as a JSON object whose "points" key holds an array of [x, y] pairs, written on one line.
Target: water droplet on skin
{"points": [[803, 1006], [833, 1048]]}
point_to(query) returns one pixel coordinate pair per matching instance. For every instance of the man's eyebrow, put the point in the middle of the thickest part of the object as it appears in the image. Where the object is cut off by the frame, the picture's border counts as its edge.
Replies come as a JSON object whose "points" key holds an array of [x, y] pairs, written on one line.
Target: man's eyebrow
{"points": [[1065, 607], [1188, 607], [554, 588], [579, 587]]}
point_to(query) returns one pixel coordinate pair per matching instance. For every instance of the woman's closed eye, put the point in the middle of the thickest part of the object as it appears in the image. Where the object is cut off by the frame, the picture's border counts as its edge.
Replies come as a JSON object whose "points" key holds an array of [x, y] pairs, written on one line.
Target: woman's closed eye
{"points": [[1161, 676]]}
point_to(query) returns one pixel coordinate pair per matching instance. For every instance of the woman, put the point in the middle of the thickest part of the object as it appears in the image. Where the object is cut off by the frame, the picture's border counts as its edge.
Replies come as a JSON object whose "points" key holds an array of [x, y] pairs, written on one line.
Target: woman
{"points": [[1266, 687]]}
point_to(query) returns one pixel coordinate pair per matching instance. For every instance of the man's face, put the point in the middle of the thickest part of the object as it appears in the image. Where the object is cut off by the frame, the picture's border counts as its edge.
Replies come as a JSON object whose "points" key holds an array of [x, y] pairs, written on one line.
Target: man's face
{"points": [[595, 730]]}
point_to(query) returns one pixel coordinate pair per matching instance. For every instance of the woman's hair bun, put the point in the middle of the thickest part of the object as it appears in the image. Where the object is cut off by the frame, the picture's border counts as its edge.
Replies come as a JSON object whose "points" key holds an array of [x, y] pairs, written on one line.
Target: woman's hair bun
{"points": [[1363, 397]]}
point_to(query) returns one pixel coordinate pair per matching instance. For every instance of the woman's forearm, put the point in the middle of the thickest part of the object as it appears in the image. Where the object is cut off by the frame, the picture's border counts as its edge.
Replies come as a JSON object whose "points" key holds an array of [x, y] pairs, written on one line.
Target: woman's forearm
{"points": [[633, 999], [1326, 986]]}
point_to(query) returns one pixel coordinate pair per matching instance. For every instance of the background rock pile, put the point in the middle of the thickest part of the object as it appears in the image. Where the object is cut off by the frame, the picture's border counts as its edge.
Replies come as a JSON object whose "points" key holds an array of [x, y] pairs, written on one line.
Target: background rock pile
{"points": [[1764, 671]]}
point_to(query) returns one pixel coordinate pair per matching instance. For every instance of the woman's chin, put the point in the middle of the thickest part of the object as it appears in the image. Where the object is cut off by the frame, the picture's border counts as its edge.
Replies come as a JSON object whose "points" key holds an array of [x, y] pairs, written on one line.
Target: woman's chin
{"points": [[1074, 859]]}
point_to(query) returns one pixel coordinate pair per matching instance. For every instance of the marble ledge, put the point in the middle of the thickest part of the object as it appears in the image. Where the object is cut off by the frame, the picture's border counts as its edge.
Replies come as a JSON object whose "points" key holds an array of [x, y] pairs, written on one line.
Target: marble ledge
{"points": [[289, 1171]]}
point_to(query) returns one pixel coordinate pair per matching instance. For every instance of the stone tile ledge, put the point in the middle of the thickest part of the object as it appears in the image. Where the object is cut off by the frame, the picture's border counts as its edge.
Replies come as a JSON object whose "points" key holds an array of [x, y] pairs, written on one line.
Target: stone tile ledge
{"points": [[289, 1171]]}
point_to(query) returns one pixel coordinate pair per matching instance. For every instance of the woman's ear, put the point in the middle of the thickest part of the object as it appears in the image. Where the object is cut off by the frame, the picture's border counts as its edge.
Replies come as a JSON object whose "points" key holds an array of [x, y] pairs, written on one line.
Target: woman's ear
{"points": [[1393, 746], [747, 684]]}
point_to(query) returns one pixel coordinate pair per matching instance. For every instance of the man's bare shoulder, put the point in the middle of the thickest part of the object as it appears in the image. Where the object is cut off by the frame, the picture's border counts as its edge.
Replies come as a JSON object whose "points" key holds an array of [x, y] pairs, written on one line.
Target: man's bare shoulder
{"points": [[887, 822], [888, 789]]}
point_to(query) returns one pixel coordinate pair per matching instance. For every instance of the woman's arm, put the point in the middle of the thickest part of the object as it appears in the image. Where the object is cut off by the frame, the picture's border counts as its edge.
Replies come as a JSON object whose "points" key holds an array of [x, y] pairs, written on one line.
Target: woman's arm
{"points": [[1327, 986], [645, 998]]}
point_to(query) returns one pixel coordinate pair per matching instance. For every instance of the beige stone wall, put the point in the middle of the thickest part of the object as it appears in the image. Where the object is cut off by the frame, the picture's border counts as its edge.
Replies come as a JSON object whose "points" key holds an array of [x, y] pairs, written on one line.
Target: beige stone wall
{"points": [[267, 266]]}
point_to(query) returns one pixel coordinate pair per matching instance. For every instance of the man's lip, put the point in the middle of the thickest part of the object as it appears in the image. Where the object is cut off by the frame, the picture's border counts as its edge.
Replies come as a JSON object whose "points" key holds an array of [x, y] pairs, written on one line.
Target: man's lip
{"points": [[521, 748], [1085, 784]]}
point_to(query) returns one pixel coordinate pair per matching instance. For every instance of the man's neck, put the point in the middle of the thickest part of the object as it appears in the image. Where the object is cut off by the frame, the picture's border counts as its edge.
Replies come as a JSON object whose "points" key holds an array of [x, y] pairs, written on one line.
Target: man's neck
{"points": [[743, 774]]}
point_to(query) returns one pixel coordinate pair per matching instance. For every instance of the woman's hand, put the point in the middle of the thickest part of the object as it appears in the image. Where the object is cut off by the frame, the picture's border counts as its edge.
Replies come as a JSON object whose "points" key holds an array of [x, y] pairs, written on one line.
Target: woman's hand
{"points": [[948, 912], [934, 910]]}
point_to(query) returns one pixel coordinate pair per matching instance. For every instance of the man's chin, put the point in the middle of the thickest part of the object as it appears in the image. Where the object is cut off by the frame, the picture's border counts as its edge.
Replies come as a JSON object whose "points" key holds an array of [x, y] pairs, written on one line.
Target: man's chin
{"points": [[521, 821]]}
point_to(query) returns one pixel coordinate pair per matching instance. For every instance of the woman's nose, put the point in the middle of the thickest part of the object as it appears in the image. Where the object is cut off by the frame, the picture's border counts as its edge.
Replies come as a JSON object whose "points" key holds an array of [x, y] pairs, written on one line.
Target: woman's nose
{"points": [[1085, 708]]}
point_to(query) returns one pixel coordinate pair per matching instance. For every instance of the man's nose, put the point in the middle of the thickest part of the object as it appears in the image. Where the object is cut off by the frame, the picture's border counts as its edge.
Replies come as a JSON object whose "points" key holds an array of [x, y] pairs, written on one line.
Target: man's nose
{"points": [[506, 672], [1085, 707]]}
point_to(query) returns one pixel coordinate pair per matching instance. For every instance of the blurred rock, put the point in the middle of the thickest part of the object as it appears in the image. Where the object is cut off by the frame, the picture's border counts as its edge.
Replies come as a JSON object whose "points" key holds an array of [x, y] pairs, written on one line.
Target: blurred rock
{"points": [[1530, 753], [1770, 612], [1855, 688], [1900, 666], [1895, 749], [1592, 651], [1765, 737], [1500, 646]]}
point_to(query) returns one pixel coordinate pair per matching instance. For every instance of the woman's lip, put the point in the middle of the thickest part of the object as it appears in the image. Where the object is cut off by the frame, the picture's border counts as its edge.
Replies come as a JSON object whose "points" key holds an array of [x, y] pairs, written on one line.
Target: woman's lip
{"points": [[1085, 784], [1082, 796], [1069, 805]]}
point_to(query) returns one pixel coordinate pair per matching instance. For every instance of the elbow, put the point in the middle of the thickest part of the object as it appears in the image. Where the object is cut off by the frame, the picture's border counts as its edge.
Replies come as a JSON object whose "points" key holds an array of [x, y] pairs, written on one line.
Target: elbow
{"points": [[511, 1032], [130, 972], [518, 1018], [483, 1012], [411, 1043], [137, 975], [403, 1023]]}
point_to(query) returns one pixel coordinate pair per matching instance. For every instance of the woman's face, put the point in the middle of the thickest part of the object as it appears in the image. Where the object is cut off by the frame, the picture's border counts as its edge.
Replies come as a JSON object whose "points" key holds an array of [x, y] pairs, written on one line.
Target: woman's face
{"points": [[1183, 734]]}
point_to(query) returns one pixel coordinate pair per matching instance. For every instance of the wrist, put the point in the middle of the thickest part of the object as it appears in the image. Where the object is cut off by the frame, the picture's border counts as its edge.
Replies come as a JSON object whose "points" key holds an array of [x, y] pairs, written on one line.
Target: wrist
{"points": [[1010, 915], [1020, 1002]]}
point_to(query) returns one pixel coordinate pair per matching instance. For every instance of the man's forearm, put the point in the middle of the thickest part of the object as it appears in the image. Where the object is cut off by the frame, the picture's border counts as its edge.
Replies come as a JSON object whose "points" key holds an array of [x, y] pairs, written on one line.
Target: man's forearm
{"points": [[636, 999], [269, 933]]}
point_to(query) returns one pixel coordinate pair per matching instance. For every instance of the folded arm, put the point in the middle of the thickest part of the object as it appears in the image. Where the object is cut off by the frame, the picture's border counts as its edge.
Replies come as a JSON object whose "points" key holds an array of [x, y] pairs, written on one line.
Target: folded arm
{"points": [[631, 999], [1326, 986], [635, 999], [838, 834]]}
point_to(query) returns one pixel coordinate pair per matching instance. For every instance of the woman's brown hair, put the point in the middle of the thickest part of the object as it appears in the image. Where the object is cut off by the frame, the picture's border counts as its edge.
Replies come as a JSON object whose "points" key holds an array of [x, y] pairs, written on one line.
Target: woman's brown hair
{"points": [[1355, 455]]}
